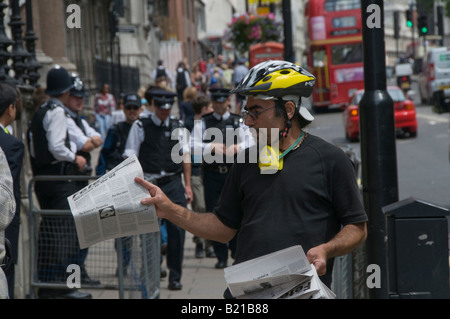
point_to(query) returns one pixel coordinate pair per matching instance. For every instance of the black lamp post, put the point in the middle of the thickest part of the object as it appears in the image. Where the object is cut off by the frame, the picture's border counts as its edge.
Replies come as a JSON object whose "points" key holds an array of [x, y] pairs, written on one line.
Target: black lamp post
{"points": [[30, 38], [19, 54], [5, 42]]}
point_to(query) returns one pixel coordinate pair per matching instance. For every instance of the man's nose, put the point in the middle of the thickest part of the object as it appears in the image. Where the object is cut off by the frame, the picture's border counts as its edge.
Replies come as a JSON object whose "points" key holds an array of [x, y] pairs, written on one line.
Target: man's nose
{"points": [[249, 120]]}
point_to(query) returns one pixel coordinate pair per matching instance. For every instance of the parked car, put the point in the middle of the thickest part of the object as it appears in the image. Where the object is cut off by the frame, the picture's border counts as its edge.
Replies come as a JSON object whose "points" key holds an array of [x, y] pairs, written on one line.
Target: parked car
{"points": [[434, 78], [404, 113]]}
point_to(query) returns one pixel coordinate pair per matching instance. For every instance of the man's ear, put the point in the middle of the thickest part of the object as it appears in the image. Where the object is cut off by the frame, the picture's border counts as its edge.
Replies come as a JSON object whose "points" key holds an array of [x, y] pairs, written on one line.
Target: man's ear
{"points": [[11, 108], [290, 109]]}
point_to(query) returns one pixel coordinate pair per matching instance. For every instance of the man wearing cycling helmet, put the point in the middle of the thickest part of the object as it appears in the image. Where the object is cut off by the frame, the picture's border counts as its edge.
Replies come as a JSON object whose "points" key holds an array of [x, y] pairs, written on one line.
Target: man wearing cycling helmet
{"points": [[310, 199]]}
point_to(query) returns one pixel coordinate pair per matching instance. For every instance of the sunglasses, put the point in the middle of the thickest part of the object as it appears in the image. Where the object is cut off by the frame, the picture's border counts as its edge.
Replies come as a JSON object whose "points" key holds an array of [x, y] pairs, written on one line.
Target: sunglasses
{"points": [[254, 115], [132, 107]]}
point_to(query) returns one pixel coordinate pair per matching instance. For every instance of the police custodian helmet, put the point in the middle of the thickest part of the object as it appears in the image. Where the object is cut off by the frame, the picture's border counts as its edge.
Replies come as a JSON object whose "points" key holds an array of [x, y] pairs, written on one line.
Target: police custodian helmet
{"points": [[278, 80], [78, 89], [58, 81]]}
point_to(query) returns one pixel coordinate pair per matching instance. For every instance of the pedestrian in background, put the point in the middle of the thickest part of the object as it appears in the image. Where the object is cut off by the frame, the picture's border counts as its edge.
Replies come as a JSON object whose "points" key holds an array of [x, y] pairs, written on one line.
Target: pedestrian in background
{"points": [[186, 110], [182, 81], [198, 78], [161, 72], [239, 72], [117, 115], [104, 105], [7, 211], [10, 109]]}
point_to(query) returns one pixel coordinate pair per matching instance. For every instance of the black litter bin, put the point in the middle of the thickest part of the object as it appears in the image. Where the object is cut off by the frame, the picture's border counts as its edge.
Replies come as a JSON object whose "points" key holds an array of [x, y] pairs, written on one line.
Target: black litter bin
{"points": [[418, 252]]}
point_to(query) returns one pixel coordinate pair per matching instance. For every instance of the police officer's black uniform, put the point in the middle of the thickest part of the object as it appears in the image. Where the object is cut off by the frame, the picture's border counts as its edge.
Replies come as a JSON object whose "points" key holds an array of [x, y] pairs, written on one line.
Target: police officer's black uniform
{"points": [[155, 156], [216, 173], [114, 146]]}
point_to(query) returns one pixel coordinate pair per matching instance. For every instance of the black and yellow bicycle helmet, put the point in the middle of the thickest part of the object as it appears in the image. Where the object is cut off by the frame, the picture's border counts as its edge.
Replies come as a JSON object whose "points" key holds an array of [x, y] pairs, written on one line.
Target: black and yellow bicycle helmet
{"points": [[276, 79]]}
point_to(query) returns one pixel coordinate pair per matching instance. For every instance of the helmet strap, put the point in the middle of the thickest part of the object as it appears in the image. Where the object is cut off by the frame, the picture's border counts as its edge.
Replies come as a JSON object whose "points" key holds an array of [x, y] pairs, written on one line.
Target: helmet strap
{"points": [[284, 133]]}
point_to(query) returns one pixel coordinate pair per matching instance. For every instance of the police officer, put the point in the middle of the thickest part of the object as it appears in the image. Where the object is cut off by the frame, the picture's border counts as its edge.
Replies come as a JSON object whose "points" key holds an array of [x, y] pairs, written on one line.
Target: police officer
{"points": [[86, 140], [114, 146], [150, 138], [81, 133], [111, 154], [52, 153], [223, 153]]}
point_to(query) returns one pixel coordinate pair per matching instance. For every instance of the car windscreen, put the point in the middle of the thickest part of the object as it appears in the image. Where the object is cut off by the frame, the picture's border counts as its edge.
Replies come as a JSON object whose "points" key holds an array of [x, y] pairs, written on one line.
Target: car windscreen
{"points": [[396, 95]]}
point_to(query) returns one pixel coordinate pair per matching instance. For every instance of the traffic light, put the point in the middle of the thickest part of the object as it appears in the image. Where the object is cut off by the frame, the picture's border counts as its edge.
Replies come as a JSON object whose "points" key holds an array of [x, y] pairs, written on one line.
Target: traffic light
{"points": [[409, 21], [113, 23], [422, 24]]}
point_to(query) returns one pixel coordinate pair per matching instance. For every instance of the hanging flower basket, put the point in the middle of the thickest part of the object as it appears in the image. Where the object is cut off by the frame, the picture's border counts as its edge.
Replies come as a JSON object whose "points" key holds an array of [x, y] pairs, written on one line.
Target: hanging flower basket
{"points": [[246, 30]]}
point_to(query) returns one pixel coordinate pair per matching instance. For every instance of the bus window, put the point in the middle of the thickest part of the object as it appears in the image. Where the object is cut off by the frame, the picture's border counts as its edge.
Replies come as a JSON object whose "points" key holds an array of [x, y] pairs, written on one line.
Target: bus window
{"points": [[346, 53], [320, 58], [339, 5]]}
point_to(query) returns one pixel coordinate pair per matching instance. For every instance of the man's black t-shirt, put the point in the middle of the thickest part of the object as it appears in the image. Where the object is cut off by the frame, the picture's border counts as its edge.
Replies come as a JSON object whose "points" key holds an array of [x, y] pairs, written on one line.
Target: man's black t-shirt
{"points": [[306, 203]]}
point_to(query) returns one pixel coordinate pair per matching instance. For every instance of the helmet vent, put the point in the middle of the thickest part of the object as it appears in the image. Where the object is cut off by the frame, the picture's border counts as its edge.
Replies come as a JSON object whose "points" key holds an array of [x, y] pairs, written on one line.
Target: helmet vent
{"points": [[285, 72], [267, 78]]}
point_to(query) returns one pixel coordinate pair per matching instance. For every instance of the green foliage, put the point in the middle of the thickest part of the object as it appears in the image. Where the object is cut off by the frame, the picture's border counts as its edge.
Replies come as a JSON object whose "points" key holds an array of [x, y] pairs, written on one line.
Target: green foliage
{"points": [[246, 30]]}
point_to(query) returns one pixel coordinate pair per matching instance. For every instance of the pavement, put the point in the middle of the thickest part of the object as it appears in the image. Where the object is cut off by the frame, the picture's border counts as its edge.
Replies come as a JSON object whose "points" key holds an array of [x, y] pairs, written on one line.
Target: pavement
{"points": [[200, 279]]}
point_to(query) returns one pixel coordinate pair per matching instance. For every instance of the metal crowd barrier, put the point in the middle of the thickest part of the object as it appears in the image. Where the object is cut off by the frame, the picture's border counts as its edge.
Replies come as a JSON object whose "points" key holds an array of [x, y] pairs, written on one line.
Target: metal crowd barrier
{"points": [[349, 271], [130, 265]]}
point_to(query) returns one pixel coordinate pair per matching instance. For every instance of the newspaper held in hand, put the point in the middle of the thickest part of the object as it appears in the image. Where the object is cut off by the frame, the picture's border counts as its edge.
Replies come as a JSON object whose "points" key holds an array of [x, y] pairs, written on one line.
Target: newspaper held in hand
{"points": [[284, 274], [110, 207]]}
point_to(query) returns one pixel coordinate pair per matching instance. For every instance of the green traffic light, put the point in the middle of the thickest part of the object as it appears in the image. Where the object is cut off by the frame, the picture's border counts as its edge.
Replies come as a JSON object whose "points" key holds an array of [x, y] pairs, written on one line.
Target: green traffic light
{"points": [[424, 30], [409, 24]]}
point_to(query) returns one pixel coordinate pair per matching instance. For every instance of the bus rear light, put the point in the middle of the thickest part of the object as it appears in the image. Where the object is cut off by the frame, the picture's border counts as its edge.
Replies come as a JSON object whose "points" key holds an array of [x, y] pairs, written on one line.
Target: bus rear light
{"points": [[354, 112]]}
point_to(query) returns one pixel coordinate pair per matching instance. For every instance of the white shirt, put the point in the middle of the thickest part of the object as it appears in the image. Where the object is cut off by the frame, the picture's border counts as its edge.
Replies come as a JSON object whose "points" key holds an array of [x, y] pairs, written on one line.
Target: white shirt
{"points": [[55, 126], [76, 135], [116, 117], [199, 148]]}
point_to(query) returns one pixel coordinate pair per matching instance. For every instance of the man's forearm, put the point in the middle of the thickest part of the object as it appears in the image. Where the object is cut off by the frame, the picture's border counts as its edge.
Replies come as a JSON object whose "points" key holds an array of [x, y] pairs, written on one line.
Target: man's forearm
{"points": [[203, 225], [349, 238]]}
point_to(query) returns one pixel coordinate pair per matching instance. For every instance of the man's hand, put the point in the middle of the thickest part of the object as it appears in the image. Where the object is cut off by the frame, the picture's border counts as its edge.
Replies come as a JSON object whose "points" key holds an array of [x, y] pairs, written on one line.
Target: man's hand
{"points": [[189, 193], [349, 237], [162, 203], [80, 161], [318, 257], [232, 150], [97, 141], [218, 148]]}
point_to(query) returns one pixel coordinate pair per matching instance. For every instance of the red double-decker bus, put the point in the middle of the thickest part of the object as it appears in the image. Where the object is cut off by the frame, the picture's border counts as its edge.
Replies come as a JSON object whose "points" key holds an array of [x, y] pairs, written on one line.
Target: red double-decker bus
{"points": [[335, 51]]}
